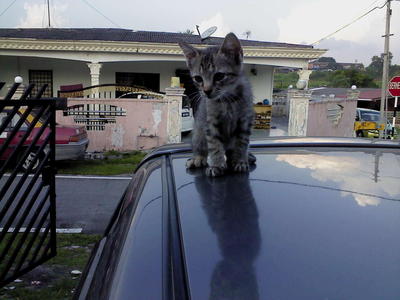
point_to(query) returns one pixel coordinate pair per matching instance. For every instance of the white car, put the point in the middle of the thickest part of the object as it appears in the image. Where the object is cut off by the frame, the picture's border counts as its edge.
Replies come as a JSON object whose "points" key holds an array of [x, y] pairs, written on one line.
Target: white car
{"points": [[187, 119]]}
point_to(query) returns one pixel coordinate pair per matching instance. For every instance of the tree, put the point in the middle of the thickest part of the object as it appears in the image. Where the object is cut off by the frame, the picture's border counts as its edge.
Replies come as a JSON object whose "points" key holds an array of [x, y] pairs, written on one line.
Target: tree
{"points": [[339, 80], [331, 63], [327, 59], [342, 78], [375, 68], [347, 78]]}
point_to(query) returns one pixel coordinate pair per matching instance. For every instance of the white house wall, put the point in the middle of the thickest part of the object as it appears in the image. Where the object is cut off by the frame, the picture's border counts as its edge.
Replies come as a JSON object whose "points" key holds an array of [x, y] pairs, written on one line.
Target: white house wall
{"points": [[65, 72], [68, 72], [262, 83]]}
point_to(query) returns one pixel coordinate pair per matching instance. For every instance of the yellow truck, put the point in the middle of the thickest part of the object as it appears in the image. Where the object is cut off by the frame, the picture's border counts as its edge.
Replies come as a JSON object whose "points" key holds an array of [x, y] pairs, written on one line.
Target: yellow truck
{"points": [[368, 124]]}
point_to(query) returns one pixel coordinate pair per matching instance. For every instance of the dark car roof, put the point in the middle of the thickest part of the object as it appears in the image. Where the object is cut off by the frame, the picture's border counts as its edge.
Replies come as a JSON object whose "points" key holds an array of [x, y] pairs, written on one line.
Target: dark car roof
{"points": [[304, 224], [315, 218], [283, 142], [126, 35]]}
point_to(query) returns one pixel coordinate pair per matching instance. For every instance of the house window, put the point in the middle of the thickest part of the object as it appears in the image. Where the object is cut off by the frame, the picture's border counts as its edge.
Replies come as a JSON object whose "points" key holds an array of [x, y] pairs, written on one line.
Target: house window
{"points": [[149, 81], [39, 78]]}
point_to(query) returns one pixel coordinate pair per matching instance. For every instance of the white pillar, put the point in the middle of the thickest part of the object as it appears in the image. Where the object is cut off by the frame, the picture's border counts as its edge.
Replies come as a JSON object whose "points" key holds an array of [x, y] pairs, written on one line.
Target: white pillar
{"points": [[298, 114], [304, 78], [174, 122], [95, 76]]}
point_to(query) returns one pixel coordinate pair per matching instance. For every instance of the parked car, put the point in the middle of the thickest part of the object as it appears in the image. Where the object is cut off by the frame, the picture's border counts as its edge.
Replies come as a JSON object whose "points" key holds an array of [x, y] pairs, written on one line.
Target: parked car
{"points": [[369, 122], [187, 119], [71, 141], [187, 115], [315, 218]]}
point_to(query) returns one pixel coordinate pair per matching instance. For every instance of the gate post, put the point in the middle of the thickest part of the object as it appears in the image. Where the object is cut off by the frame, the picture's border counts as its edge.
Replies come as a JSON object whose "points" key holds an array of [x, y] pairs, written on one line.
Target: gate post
{"points": [[298, 112], [174, 97]]}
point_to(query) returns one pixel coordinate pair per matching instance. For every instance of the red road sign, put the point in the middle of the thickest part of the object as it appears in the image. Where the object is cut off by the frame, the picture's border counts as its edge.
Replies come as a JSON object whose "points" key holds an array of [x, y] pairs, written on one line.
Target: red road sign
{"points": [[394, 86]]}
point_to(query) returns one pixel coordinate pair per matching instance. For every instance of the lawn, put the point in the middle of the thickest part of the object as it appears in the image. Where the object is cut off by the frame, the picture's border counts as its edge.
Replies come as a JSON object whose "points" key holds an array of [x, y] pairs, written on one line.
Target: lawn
{"points": [[114, 163], [53, 279]]}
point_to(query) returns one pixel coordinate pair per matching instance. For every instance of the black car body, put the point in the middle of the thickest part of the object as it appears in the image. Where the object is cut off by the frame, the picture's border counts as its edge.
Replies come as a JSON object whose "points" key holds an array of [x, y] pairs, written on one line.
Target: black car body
{"points": [[315, 218]]}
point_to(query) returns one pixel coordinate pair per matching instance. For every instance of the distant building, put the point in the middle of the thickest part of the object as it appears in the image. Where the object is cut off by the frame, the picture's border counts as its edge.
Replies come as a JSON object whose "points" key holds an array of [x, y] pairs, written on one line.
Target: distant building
{"points": [[351, 66], [330, 64], [323, 64]]}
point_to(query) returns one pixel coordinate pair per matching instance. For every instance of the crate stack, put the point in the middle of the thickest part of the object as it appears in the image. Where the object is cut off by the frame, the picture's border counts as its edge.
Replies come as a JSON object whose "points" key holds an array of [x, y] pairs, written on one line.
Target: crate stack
{"points": [[262, 116]]}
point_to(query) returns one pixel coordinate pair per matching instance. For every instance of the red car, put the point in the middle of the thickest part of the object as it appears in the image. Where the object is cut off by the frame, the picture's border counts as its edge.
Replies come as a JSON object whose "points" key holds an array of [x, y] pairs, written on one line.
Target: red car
{"points": [[71, 141]]}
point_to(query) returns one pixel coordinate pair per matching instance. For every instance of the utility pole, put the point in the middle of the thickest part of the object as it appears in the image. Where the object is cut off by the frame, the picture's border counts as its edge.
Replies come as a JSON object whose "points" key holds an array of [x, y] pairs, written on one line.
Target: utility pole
{"points": [[48, 12], [385, 73]]}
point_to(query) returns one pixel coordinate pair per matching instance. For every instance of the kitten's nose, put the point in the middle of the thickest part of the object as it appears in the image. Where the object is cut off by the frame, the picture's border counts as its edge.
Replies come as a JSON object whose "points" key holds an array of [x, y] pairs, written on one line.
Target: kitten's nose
{"points": [[208, 92]]}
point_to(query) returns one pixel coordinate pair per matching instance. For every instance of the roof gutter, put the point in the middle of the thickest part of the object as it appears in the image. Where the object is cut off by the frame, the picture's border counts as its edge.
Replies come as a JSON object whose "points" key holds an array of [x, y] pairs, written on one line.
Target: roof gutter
{"points": [[145, 48]]}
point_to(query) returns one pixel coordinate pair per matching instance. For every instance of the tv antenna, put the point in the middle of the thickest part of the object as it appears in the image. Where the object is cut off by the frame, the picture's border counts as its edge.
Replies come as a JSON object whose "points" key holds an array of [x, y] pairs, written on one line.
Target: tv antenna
{"points": [[206, 34]]}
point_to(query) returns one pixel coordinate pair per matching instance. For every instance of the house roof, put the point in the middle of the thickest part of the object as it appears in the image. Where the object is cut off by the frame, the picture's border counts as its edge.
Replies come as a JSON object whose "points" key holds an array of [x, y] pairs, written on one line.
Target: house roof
{"points": [[125, 35]]}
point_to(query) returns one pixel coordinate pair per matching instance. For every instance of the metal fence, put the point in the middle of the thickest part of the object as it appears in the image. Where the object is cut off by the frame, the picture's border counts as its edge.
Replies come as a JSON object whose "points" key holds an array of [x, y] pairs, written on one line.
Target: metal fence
{"points": [[27, 182]]}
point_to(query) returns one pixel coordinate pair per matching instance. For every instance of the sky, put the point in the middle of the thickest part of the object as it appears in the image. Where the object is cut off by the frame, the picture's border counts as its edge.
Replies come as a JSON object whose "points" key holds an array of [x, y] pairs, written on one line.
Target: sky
{"points": [[290, 21]]}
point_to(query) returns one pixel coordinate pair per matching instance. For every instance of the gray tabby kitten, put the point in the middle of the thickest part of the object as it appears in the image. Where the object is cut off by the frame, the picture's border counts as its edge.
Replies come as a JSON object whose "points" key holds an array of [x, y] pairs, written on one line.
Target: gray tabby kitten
{"points": [[224, 114]]}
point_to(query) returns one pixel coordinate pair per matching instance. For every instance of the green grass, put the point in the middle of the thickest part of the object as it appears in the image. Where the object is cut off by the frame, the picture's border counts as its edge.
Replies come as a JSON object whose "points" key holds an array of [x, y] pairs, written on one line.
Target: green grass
{"points": [[55, 279], [114, 163]]}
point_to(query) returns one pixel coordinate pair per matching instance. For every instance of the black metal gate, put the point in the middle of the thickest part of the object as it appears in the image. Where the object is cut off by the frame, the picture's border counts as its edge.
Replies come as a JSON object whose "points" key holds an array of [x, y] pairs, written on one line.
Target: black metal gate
{"points": [[27, 182]]}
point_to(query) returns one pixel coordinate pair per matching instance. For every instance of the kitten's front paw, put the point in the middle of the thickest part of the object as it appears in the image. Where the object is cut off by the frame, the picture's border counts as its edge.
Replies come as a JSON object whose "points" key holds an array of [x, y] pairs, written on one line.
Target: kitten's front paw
{"points": [[196, 162], [215, 171], [241, 166]]}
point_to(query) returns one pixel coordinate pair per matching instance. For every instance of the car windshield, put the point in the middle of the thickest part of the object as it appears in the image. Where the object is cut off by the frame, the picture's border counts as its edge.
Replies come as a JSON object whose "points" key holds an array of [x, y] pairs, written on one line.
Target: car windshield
{"points": [[370, 116]]}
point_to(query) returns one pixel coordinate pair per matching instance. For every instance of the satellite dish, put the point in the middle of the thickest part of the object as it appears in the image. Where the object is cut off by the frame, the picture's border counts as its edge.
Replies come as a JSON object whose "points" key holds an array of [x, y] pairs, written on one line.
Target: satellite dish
{"points": [[206, 34]]}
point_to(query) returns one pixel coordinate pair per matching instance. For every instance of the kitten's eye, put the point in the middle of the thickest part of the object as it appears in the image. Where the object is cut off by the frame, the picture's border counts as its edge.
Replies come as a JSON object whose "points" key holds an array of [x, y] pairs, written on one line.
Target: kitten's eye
{"points": [[198, 79], [219, 76]]}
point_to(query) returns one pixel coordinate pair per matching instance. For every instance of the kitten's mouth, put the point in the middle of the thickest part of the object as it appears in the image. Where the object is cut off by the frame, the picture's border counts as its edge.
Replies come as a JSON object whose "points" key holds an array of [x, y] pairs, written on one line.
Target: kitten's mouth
{"points": [[212, 96]]}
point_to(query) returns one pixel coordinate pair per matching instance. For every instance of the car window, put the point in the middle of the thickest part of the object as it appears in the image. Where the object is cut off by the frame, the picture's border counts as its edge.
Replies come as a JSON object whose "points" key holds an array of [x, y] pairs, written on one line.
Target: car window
{"points": [[369, 116], [131, 259], [14, 121]]}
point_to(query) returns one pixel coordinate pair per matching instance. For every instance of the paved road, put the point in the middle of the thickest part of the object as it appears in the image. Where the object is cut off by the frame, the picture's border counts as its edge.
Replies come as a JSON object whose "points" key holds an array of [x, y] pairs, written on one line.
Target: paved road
{"points": [[85, 202]]}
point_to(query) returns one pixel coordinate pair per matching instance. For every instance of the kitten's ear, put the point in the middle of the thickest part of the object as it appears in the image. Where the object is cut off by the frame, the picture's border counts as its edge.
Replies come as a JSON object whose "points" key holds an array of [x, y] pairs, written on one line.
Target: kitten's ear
{"points": [[231, 47], [189, 51]]}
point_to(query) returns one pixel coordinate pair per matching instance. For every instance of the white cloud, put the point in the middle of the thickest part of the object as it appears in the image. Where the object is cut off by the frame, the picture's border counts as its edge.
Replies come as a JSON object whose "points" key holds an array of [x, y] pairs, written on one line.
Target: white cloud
{"points": [[36, 16], [361, 40], [345, 171], [350, 51], [216, 20]]}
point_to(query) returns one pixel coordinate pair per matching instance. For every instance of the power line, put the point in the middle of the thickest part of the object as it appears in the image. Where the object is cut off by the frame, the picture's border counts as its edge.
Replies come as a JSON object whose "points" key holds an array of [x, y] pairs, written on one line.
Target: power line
{"points": [[99, 12], [4, 11], [352, 22]]}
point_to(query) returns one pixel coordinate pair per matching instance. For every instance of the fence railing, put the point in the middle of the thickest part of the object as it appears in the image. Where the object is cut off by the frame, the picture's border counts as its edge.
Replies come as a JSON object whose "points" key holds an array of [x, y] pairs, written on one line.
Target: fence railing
{"points": [[27, 182]]}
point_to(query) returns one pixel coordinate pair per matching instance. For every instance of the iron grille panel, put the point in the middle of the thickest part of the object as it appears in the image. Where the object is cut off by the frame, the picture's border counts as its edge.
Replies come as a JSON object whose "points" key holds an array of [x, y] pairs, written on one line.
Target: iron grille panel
{"points": [[27, 183]]}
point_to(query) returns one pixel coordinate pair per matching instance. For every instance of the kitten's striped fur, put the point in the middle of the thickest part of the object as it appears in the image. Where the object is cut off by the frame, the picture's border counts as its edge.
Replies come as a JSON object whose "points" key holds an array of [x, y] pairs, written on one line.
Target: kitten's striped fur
{"points": [[224, 115]]}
